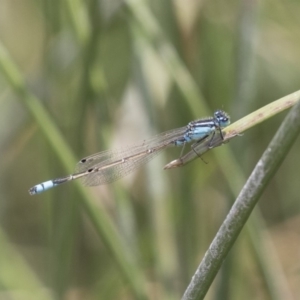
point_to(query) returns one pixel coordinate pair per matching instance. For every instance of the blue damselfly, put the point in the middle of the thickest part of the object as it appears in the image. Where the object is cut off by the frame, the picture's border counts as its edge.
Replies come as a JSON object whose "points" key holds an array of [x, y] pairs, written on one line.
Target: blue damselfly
{"points": [[107, 166]]}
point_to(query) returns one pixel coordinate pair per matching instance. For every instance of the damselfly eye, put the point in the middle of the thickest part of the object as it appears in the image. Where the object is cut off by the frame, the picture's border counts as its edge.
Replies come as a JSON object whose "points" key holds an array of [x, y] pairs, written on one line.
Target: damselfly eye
{"points": [[222, 117]]}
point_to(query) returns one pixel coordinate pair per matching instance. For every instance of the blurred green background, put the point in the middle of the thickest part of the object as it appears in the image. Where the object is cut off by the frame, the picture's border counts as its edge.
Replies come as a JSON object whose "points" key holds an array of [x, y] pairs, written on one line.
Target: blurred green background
{"points": [[78, 77]]}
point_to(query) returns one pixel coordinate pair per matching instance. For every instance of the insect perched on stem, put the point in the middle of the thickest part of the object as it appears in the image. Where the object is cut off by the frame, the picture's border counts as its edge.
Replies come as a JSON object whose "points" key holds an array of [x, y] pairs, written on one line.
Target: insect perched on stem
{"points": [[107, 166]]}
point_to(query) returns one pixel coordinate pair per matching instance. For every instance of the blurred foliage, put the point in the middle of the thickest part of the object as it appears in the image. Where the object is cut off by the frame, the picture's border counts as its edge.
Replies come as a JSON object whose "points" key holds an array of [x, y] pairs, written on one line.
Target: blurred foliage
{"points": [[100, 74]]}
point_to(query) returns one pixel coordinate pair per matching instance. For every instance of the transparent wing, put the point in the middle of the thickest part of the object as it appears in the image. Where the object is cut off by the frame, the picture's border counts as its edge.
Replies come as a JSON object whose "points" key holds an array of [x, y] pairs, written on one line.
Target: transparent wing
{"points": [[113, 164]]}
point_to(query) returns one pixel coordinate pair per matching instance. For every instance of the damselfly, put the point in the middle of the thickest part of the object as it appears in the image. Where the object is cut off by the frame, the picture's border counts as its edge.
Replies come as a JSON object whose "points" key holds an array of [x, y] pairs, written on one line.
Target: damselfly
{"points": [[107, 166]]}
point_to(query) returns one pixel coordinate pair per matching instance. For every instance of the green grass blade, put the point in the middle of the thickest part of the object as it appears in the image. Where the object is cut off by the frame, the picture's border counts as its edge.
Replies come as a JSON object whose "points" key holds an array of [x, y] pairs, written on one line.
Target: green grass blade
{"points": [[243, 206], [102, 224]]}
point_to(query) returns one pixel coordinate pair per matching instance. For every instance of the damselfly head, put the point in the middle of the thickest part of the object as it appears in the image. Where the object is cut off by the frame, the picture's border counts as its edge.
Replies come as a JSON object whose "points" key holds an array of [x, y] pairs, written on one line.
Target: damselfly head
{"points": [[222, 117]]}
